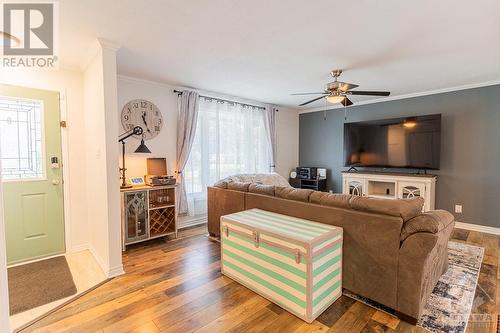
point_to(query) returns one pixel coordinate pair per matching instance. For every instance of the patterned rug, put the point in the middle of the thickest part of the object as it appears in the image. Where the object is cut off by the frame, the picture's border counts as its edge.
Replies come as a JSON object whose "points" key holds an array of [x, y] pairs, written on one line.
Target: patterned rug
{"points": [[449, 305]]}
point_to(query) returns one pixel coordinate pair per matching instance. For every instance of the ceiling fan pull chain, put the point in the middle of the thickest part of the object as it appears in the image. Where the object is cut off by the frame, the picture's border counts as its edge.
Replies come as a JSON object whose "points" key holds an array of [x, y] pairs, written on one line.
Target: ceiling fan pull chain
{"points": [[345, 112]]}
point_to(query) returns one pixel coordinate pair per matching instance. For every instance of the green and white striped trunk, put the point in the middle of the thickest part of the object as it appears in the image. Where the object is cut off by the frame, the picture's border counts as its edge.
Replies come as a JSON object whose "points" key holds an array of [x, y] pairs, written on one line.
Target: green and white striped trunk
{"points": [[295, 263]]}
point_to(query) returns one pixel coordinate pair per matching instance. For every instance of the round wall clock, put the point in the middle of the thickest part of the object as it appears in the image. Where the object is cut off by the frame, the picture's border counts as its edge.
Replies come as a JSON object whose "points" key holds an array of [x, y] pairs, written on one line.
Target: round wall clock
{"points": [[143, 113]]}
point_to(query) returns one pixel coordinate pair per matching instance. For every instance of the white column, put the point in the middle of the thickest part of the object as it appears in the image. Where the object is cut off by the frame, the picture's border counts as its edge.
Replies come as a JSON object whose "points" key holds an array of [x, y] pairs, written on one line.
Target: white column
{"points": [[102, 156], [4, 286]]}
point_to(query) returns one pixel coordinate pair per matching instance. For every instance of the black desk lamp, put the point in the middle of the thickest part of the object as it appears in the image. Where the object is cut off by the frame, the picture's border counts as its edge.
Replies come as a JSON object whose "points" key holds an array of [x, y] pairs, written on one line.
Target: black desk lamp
{"points": [[141, 149]]}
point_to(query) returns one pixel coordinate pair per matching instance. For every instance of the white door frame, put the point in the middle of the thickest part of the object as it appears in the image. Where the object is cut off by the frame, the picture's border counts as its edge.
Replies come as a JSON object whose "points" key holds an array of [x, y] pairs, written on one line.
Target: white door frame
{"points": [[4, 285], [63, 115]]}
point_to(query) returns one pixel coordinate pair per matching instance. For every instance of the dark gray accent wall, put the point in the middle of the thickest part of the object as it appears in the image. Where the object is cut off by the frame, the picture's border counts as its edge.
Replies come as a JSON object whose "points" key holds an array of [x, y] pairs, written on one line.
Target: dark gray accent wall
{"points": [[470, 146]]}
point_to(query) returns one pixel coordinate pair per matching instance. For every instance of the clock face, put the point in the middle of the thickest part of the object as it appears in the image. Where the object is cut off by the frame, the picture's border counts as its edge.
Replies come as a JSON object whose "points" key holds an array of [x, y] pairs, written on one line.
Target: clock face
{"points": [[145, 114]]}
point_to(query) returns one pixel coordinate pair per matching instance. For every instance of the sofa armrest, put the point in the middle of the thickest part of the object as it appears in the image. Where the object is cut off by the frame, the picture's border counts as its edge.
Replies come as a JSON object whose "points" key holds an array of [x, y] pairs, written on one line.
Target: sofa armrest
{"points": [[222, 202], [432, 222], [423, 258]]}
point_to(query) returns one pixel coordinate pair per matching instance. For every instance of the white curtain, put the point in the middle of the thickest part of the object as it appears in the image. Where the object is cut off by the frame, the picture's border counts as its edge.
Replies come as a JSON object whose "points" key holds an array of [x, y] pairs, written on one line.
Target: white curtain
{"points": [[230, 138], [270, 126], [186, 129]]}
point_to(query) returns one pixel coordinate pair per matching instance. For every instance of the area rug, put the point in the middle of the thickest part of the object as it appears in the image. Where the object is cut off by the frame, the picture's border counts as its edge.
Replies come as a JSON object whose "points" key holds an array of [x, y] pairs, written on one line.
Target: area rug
{"points": [[449, 306], [39, 283]]}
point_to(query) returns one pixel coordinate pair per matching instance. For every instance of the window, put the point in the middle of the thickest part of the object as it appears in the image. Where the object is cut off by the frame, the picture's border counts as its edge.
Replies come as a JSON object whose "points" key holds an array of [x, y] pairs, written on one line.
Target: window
{"points": [[230, 139], [21, 139]]}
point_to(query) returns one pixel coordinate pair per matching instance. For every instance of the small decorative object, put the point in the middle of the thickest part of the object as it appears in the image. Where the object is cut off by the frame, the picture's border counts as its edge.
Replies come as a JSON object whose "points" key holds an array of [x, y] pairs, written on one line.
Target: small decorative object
{"points": [[137, 181], [293, 174], [157, 166], [321, 173], [145, 114]]}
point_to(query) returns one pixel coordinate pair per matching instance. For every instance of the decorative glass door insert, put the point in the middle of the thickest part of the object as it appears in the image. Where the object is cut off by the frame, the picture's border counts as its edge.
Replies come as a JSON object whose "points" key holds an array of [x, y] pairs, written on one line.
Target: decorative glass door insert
{"points": [[21, 139], [136, 215]]}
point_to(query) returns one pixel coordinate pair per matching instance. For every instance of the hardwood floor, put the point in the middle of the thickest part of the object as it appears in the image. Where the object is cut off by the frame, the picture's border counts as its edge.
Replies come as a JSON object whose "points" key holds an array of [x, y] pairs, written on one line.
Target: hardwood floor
{"points": [[176, 286]]}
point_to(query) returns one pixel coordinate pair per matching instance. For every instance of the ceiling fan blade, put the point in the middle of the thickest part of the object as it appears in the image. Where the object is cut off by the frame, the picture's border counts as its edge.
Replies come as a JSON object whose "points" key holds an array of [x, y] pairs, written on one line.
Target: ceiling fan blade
{"points": [[369, 93], [346, 102], [312, 100], [309, 93], [344, 86]]}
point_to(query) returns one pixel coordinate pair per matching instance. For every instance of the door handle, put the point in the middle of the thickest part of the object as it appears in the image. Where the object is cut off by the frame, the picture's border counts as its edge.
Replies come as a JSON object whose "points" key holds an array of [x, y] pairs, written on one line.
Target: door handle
{"points": [[56, 181]]}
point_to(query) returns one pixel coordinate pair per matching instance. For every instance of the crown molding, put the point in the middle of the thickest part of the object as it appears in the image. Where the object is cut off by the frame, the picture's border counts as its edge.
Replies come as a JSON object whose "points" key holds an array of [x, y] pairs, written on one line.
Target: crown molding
{"points": [[406, 96], [108, 44], [133, 79], [207, 93], [97, 45], [92, 51]]}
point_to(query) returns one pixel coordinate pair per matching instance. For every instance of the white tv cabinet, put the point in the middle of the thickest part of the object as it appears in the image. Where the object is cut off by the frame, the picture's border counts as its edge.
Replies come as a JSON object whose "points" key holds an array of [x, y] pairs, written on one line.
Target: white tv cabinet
{"points": [[390, 186]]}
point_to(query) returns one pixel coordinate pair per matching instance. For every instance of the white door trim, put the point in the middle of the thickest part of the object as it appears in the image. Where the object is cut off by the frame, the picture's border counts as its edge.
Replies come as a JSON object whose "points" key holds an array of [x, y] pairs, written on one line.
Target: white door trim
{"points": [[5, 326], [63, 116]]}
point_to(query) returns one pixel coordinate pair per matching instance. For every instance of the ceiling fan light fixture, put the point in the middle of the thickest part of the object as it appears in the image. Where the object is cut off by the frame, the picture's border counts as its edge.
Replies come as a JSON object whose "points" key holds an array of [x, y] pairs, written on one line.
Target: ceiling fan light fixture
{"points": [[339, 92], [410, 122], [335, 98]]}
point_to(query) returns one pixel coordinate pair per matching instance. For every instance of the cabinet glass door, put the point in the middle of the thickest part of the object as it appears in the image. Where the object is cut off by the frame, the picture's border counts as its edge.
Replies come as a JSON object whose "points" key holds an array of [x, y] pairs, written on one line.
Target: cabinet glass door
{"points": [[355, 187], [136, 216], [411, 190]]}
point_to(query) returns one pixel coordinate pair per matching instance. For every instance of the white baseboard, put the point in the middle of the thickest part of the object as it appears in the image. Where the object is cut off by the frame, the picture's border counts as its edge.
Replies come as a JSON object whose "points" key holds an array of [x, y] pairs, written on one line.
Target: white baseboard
{"points": [[192, 222], [109, 272], [477, 227], [79, 248], [99, 260], [115, 271]]}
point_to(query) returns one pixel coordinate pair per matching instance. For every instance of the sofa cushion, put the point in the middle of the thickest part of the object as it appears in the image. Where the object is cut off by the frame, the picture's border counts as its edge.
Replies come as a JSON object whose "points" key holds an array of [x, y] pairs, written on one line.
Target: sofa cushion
{"points": [[404, 208], [261, 189], [291, 193], [221, 184], [432, 222], [238, 186], [336, 200], [330, 199], [316, 196]]}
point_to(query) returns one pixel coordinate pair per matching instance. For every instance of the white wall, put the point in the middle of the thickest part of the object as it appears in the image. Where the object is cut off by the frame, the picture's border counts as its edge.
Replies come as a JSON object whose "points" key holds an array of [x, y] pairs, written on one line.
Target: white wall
{"points": [[164, 145], [101, 159], [70, 84]]}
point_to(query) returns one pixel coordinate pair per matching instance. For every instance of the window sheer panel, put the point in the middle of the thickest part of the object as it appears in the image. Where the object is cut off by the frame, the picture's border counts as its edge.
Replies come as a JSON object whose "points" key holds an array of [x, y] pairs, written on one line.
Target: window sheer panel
{"points": [[230, 139]]}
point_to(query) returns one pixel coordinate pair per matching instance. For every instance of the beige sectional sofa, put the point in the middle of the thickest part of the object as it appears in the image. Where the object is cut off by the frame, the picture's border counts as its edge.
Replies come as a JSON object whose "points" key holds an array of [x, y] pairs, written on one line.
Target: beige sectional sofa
{"points": [[393, 253]]}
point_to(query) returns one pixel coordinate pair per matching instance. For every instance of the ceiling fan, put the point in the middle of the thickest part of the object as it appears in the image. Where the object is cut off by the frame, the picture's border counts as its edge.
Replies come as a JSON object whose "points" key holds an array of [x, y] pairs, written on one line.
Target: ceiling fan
{"points": [[337, 91]]}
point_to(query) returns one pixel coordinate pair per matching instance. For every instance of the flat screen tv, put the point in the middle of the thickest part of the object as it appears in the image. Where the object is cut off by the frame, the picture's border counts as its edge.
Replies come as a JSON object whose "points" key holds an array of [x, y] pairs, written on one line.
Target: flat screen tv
{"points": [[410, 142]]}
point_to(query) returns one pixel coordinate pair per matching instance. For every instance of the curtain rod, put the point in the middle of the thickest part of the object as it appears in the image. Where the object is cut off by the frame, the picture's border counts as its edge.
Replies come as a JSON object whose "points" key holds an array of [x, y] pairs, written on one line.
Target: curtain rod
{"points": [[178, 92]]}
